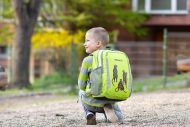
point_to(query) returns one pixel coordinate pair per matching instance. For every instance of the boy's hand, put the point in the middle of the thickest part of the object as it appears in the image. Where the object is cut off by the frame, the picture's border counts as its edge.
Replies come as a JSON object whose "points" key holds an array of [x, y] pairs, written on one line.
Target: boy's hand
{"points": [[88, 92]]}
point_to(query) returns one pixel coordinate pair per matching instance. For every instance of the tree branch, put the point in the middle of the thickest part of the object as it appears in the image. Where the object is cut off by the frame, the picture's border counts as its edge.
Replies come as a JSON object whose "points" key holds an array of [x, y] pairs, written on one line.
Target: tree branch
{"points": [[20, 11], [33, 8], [26, 11]]}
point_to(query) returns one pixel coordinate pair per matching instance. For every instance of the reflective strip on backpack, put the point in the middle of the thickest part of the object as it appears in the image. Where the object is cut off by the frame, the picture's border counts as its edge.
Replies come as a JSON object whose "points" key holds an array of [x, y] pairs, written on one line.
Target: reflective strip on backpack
{"points": [[102, 60], [108, 73], [99, 58], [130, 78]]}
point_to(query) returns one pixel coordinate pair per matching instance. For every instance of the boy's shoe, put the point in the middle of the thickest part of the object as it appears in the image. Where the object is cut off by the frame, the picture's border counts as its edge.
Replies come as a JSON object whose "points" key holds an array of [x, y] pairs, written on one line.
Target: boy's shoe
{"points": [[110, 114], [91, 118]]}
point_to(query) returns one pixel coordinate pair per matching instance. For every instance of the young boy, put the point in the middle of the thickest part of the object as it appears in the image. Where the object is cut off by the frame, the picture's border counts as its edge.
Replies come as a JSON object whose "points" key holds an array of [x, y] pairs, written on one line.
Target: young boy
{"points": [[95, 39]]}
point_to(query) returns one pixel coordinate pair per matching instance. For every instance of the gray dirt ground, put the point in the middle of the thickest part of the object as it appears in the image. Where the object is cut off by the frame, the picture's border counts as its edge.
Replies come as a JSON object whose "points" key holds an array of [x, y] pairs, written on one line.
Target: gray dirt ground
{"points": [[156, 109]]}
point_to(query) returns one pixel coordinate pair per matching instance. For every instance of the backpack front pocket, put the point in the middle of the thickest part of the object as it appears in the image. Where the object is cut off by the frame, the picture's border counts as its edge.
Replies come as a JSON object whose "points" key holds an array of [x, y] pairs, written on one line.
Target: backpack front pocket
{"points": [[96, 81]]}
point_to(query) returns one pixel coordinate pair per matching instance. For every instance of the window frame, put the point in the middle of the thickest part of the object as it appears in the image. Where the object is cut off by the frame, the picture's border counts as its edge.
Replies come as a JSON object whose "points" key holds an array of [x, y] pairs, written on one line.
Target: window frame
{"points": [[148, 10]]}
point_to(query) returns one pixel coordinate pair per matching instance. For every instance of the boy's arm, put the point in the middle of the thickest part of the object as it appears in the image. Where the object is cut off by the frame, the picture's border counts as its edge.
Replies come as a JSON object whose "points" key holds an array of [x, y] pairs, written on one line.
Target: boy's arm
{"points": [[83, 76]]}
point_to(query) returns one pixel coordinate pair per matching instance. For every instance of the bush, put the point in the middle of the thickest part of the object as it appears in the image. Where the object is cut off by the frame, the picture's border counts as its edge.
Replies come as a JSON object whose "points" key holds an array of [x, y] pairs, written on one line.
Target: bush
{"points": [[54, 80]]}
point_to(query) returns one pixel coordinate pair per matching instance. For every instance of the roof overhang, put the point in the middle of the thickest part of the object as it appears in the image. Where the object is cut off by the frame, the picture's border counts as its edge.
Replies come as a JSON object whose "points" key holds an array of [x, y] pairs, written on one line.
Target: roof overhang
{"points": [[168, 20]]}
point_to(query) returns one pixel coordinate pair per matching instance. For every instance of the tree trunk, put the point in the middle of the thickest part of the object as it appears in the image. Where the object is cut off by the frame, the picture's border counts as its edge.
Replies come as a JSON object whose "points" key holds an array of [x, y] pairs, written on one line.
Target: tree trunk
{"points": [[26, 16]]}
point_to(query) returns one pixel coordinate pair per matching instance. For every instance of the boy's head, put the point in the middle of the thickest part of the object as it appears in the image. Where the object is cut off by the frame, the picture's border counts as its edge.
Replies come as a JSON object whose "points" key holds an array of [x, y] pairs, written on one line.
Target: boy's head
{"points": [[95, 39]]}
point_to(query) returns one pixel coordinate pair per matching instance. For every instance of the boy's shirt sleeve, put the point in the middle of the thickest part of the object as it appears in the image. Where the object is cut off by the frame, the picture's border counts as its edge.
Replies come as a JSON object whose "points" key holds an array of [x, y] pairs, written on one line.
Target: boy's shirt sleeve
{"points": [[84, 72]]}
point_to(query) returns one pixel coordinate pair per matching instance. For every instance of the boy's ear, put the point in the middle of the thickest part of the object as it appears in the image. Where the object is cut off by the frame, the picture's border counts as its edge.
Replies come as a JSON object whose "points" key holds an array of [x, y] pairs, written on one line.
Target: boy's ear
{"points": [[99, 43]]}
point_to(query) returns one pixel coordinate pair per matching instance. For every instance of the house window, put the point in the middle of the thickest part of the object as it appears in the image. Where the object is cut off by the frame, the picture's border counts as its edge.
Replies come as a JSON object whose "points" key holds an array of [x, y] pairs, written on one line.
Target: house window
{"points": [[2, 50], [141, 4], [160, 6], [181, 4]]}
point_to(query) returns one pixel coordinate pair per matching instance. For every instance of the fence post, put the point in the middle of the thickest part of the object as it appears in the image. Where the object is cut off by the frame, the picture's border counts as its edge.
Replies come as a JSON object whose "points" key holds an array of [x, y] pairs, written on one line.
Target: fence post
{"points": [[165, 59]]}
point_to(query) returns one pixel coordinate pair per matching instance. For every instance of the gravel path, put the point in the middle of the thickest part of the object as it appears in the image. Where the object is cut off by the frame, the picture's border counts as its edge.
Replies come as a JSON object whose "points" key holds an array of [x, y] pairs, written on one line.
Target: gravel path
{"points": [[166, 108]]}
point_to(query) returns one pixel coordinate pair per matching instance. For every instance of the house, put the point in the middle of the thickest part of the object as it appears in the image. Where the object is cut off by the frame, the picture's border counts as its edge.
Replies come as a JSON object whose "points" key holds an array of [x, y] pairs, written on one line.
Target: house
{"points": [[38, 66], [146, 53]]}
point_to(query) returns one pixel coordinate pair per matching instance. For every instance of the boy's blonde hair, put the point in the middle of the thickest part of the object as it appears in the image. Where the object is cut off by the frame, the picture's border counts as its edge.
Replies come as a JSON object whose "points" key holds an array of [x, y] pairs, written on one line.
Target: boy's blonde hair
{"points": [[100, 34]]}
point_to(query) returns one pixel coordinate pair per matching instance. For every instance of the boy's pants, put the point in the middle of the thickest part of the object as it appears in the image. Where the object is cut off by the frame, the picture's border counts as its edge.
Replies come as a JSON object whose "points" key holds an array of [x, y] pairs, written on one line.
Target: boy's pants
{"points": [[88, 108]]}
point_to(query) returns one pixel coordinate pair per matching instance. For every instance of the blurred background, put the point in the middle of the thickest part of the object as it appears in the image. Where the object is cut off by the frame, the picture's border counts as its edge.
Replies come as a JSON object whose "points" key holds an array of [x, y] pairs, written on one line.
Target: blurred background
{"points": [[41, 42]]}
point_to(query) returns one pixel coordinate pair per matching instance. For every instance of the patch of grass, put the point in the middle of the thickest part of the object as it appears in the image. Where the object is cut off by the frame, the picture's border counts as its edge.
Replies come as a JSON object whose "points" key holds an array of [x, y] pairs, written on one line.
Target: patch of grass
{"points": [[60, 83], [56, 83], [157, 83], [14, 91], [51, 81]]}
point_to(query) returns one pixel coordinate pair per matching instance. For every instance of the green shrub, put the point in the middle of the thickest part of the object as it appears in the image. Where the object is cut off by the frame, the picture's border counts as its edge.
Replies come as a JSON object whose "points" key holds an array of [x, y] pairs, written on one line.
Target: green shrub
{"points": [[54, 80]]}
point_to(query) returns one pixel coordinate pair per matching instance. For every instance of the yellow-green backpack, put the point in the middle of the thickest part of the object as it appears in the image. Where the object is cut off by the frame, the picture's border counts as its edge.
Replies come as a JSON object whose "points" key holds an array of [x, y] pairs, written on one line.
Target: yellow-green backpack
{"points": [[111, 75]]}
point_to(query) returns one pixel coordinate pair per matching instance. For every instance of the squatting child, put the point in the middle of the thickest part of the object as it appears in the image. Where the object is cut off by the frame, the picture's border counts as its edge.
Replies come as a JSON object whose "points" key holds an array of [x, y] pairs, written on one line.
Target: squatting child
{"points": [[95, 39]]}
